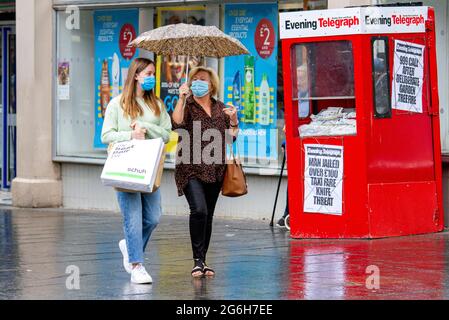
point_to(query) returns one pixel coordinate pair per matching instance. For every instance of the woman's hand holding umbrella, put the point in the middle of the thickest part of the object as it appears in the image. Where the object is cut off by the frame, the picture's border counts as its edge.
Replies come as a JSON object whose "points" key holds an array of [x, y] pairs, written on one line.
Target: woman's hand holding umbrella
{"points": [[184, 91]]}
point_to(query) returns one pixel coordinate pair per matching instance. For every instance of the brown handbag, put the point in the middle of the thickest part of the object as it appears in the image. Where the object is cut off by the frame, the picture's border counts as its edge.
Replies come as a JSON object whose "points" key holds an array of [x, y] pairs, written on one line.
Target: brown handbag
{"points": [[234, 183]]}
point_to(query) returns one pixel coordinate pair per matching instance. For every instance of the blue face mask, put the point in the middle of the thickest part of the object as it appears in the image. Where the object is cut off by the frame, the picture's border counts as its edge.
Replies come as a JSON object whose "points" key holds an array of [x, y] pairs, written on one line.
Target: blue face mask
{"points": [[200, 88], [148, 83]]}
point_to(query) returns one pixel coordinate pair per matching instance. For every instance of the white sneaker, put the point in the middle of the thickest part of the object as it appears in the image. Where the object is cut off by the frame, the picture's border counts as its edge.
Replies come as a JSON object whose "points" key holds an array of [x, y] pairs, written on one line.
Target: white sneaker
{"points": [[122, 245], [140, 276]]}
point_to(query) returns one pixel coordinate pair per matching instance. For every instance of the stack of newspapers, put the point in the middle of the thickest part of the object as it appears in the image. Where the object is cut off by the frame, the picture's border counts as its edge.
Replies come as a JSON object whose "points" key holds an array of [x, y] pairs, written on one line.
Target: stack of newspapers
{"points": [[331, 122]]}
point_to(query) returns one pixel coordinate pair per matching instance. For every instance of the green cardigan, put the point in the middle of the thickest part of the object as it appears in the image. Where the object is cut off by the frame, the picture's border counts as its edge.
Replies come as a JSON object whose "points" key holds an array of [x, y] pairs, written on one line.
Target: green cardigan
{"points": [[117, 127]]}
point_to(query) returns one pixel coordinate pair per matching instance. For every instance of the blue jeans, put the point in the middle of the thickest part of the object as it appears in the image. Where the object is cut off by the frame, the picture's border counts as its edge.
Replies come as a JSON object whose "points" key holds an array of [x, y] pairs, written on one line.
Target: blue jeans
{"points": [[141, 215]]}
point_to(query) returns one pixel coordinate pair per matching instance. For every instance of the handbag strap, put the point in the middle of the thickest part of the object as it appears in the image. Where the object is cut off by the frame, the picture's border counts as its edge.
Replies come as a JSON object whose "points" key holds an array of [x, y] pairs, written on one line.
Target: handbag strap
{"points": [[231, 147]]}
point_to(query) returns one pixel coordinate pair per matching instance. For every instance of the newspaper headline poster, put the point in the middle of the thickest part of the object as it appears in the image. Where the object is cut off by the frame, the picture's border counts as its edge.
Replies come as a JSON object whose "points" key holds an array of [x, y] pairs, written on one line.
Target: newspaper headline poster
{"points": [[408, 77], [250, 81], [323, 179], [113, 30]]}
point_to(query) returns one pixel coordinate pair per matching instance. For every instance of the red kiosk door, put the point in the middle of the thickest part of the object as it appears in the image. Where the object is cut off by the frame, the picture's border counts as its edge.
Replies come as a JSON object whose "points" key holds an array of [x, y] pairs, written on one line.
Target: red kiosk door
{"points": [[401, 153]]}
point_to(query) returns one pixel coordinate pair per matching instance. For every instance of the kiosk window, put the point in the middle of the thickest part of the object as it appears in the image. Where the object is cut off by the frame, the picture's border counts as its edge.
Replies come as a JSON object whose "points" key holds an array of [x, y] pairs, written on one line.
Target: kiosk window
{"points": [[381, 78], [323, 70], [323, 87]]}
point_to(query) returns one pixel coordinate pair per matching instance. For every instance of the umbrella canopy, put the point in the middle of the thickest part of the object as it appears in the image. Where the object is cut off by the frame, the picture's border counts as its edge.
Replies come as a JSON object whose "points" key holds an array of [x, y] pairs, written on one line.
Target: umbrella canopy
{"points": [[190, 40]]}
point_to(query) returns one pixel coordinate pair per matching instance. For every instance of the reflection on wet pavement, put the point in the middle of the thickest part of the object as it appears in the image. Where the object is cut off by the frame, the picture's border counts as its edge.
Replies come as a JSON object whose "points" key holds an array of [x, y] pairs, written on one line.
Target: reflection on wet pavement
{"points": [[252, 261]]}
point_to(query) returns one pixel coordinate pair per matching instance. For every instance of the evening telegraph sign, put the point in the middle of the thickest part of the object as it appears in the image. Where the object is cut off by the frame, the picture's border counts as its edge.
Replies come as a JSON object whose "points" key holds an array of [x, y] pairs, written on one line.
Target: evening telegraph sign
{"points": [[352, 21]]}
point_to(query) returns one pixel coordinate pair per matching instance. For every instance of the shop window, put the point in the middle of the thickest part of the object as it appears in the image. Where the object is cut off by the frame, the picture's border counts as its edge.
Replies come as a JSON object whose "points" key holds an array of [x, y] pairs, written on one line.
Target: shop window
{"points": [[75, 87], [78, 90], [323, 88], [381, 78], [91, 56]]}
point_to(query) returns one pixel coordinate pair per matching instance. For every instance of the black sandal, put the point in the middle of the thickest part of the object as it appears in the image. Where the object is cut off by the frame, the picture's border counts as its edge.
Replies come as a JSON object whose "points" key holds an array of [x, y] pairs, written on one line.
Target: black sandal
{"points": [[198, 267], [207, 269]]}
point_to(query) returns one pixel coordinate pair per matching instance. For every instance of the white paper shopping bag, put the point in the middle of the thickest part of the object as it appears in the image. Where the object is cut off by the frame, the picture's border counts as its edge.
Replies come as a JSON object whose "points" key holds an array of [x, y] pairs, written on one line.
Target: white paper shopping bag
{"points": [[133, 165]]}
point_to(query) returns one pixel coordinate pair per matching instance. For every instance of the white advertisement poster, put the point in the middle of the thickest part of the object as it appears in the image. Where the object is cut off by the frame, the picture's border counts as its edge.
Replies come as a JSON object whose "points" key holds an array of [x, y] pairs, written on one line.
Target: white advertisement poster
{"points": [[394, 19], [408, 76], [319, 23], [64, 80], [323, 179]]}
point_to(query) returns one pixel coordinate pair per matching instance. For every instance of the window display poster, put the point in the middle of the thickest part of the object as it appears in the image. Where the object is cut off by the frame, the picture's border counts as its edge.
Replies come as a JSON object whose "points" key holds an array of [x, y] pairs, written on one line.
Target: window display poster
{"points": [[408, 77], [64, 80], [172, 69], [113, 30], [323, 179], [250, 81]]}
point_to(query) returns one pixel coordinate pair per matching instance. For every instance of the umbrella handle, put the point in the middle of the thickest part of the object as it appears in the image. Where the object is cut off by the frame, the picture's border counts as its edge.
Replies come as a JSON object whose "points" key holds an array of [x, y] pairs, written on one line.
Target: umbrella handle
{"points": [[187, 77], [187, 71]]}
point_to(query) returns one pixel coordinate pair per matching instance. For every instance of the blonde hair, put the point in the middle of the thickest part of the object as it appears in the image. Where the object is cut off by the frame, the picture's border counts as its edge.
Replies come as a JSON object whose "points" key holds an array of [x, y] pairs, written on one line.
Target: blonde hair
{"points": [[128, 100], [214, 81]]}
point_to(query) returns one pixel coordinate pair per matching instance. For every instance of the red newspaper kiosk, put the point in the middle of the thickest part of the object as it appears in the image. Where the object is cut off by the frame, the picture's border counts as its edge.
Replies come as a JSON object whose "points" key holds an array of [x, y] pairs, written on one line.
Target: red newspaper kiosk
{"points": [[362, 119]]}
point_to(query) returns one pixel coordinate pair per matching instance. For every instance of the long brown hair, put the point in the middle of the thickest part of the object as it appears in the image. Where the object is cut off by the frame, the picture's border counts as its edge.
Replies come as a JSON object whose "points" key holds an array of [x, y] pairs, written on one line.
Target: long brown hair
{"points": [[128, 101]]}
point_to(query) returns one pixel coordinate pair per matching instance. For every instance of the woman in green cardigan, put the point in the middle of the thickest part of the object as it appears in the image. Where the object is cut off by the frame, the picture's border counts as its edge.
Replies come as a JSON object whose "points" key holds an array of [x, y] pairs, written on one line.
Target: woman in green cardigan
{"points": [[137, 114]]}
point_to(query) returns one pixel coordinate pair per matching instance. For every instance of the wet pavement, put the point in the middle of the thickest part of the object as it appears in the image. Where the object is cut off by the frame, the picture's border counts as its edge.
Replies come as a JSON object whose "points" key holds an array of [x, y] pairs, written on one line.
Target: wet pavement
{"points": [[252, 261]]}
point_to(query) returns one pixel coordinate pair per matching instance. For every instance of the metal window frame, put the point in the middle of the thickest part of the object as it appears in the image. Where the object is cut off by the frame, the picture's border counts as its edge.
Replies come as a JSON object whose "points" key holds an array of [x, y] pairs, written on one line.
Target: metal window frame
{"points": [[54, 86], [6, 30]]}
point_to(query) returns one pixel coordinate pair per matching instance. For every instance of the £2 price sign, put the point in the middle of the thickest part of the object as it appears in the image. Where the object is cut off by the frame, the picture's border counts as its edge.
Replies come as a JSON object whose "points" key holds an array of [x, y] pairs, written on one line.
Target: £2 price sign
{"points": [[265, 38], [127, 34]]}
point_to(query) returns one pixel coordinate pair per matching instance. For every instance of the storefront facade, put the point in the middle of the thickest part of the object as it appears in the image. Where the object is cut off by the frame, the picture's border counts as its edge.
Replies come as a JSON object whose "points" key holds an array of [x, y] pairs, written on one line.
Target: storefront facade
{"points": [[83, 43], [79, 53]]}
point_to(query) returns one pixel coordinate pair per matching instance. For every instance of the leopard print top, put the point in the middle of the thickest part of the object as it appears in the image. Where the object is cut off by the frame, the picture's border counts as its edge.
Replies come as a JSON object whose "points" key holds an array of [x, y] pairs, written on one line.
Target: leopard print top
{"points": [[190, 163]]}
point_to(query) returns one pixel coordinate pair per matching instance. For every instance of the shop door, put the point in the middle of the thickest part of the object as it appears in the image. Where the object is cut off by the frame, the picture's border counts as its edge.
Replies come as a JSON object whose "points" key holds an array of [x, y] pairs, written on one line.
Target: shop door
{"points": [[8, 105]]}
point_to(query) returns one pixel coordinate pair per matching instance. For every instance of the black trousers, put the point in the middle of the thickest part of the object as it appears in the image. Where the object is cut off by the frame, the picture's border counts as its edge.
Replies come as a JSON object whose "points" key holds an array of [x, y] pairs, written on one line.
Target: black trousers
{"points": [[202, 198]]}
